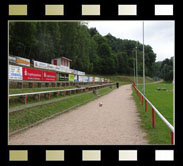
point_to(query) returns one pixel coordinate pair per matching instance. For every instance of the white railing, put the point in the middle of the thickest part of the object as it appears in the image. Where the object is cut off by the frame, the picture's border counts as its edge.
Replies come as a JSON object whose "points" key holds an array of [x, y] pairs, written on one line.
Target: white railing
{"points": [[43, 92], [57, 91], [21, 83], [154, 109]]}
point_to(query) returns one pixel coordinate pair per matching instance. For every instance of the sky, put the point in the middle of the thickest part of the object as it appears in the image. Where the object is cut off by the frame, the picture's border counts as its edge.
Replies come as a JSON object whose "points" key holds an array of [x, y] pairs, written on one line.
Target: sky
{"points": [[158, 34]]}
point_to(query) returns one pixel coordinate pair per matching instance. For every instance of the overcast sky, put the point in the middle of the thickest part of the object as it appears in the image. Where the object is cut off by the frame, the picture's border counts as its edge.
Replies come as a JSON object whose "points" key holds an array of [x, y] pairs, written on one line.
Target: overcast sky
{"points": [[158, 34]]}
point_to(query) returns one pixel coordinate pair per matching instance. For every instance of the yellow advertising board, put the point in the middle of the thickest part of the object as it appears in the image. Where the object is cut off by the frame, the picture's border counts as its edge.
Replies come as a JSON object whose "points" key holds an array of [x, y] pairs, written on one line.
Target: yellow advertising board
{"points": [[22, 61], [71, 77]]}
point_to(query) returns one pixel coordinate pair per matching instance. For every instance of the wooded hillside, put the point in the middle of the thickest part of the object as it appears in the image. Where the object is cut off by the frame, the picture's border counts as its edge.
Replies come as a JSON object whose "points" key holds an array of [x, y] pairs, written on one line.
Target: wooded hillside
{"points": [[90, 51]]}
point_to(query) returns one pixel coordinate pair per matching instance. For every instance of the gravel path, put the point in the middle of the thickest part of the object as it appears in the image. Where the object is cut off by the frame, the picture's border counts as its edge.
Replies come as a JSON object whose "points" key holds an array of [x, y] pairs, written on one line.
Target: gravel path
{"points": [[115, 123]]}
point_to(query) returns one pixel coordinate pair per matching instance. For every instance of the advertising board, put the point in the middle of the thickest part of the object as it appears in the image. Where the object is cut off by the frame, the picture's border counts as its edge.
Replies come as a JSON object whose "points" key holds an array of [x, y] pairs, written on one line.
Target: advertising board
{"points": [[41, 65], [81, 79], [32, 74], [38, 75], [22, 61], [63, 77], [85, 78], [49, 76], [75, 78], [81, 73], [51, 67], [68, 70], [93, 79], [12, 59], [71, 77], [74, 71], [97, 79], [14, 72], [57, 68], [61, 68], [90, 79]]}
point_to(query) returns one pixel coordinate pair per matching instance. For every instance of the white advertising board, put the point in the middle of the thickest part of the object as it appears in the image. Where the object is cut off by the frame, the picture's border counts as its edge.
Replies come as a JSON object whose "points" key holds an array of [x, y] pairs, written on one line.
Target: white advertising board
{"points": [[57, 68], [12, 59], [14, 72], [97, 79], [90, 79], [68, 70], [60, 68], [75, 78], [74, 71], [81, 73], [80, 79], [85, 78], [51, 67], [41, 65]]}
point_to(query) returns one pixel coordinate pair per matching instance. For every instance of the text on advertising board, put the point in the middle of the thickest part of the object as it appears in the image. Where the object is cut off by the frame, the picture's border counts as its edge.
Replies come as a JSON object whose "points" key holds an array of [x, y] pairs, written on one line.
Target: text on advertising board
{"points": [[15, 72], [32, 74], [49, 76], [22, 61], [38, 75]]}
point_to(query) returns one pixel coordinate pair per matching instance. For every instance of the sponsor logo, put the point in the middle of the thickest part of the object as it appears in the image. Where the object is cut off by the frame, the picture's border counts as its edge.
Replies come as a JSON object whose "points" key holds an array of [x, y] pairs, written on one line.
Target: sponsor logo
{"points": [[22, 61], [25, 72]]}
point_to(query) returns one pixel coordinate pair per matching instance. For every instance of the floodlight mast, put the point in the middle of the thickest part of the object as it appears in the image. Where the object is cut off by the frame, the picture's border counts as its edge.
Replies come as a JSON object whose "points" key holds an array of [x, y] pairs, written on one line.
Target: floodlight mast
{"points": [[143, 60], [134, 71], [136, 68]]}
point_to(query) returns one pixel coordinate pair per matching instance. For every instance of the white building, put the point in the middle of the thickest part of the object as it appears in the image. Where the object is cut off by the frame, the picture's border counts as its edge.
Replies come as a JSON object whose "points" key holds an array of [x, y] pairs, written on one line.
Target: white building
{"points": [[62, 61]]}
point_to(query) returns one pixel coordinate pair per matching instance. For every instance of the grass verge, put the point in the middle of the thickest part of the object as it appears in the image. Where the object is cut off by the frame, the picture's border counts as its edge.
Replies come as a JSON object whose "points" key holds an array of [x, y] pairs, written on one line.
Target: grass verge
{"points": [[123, 78], [161, 134]]}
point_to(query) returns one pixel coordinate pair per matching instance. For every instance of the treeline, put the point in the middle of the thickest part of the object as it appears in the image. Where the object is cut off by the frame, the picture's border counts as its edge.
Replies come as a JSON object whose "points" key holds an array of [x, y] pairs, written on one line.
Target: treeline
{"points": [[89, 51], [164, 69]]}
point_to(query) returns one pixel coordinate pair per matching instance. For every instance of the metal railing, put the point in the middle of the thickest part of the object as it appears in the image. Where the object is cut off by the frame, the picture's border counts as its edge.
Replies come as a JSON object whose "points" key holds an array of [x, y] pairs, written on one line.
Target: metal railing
{"points": [[43, 92], [30, 83], [154, 109], [57, 91]]}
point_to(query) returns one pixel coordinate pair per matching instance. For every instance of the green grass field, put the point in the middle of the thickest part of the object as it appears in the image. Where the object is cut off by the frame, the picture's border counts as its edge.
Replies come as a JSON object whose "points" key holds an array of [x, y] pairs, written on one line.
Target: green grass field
{"points": [[163, 101], [123, 78]]}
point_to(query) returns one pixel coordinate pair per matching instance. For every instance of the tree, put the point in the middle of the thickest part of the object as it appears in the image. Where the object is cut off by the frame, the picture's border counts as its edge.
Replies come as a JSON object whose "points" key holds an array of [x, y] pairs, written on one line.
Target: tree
{"points": [[164, 69], [86, 47]]}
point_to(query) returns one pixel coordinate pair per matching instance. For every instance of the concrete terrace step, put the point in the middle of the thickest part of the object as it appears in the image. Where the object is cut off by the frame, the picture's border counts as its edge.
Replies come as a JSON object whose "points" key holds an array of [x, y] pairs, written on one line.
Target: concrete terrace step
{"points": [[26, 106]]}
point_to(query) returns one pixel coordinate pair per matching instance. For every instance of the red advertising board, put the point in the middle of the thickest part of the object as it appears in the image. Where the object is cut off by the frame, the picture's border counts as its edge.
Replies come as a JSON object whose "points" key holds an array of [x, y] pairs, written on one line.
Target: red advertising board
{"points": [[32, 74], [38, 75], [49, 76]]}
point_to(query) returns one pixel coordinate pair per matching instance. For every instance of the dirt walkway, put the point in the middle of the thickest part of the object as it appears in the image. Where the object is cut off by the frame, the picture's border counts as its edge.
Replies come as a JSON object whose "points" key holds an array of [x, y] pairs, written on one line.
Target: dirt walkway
{"points": [[115, 123]]}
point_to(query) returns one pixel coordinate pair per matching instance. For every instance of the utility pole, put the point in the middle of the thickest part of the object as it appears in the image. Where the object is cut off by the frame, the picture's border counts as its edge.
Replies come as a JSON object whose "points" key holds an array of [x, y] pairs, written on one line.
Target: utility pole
{"points": [[136, 67], [143, 60]]}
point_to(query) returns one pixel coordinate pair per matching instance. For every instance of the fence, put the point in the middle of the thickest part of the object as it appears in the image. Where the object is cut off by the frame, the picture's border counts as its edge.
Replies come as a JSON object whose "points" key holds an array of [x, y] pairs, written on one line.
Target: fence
{"points": [[141, 96], [56, 92], [31, 84]]}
